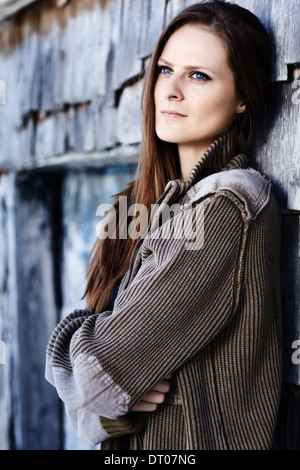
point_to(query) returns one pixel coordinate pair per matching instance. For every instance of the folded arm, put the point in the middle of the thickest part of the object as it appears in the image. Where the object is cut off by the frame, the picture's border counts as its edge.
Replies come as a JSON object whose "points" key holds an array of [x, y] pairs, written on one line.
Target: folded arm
{"points": [[103, 364]]}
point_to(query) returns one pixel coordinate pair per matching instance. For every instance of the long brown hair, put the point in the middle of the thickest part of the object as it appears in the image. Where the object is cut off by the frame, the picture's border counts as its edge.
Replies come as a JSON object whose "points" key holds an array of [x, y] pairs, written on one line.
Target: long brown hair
{"points": [[249, 58]]}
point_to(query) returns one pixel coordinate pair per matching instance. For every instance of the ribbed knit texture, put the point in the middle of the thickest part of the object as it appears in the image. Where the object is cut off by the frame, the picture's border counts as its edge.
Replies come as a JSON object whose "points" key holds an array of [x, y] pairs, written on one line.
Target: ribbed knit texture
{"points": [[209, 316]]}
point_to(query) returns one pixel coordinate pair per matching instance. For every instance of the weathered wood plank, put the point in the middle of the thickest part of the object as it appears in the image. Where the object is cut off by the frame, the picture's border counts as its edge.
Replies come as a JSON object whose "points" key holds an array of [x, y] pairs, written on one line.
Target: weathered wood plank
{"points": [[82, 193], [290, 279], [50, 136], [127, 63], [8, 304], [174, 7], [129, 119], [276, 148], [151, 25], [105, 127], [282, 21], [36, 402], [288, 427], [81, 128]]}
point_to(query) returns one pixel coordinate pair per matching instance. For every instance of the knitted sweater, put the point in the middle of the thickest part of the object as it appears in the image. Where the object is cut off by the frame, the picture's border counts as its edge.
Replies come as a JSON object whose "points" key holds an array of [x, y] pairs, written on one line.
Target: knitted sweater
{"points": [[208, 313]]}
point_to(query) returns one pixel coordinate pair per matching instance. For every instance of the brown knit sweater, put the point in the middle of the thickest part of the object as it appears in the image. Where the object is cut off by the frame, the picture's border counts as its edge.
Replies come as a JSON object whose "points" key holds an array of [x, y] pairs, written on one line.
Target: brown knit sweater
{"points": [[208, 314]]}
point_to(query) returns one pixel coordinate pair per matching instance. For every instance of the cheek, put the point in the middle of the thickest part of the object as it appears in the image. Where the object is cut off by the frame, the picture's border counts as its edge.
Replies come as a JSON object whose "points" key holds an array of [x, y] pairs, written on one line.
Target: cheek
{"points": [[218, 105]]}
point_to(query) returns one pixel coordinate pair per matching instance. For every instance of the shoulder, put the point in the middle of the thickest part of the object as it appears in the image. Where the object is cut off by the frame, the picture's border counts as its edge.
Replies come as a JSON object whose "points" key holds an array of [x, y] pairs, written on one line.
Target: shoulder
{"points": [[248, 186]]}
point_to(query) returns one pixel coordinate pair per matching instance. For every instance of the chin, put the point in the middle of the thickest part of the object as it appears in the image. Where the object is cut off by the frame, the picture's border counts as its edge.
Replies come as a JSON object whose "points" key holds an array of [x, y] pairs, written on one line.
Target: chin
{"points": [[167, 137]]}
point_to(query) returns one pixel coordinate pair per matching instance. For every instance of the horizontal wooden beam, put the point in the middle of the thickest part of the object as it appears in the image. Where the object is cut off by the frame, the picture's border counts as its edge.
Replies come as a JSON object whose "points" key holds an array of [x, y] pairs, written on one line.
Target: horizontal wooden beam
{"points": [[123, 155]]}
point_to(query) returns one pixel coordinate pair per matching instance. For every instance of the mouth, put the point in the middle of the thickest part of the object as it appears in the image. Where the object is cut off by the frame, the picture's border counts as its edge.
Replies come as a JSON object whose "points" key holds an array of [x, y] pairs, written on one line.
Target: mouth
{"points": [[172, 115]]}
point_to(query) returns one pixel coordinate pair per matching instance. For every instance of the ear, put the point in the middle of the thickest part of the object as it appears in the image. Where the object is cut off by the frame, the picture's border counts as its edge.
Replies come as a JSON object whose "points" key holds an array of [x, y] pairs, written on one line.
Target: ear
{"points": [[241, 108]]}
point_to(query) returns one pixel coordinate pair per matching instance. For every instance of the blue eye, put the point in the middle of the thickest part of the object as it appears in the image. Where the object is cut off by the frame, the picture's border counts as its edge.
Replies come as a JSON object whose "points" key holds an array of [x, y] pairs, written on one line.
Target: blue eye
{"points": [[164, 70], [200, 76]]}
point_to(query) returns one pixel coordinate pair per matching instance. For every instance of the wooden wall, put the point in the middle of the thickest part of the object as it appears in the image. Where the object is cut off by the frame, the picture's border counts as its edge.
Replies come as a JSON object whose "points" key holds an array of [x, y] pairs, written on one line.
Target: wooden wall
{"points": [[70, 133]]}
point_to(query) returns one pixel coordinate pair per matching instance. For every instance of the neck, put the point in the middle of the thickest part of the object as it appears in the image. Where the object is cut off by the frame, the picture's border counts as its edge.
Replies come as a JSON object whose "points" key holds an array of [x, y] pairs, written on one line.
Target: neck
{"points": [[189, 156]]}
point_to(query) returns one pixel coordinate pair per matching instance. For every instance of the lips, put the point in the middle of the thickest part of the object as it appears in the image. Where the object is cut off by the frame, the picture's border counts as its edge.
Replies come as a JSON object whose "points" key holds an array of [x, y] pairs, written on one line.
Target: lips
{"points": [[170, 114]]}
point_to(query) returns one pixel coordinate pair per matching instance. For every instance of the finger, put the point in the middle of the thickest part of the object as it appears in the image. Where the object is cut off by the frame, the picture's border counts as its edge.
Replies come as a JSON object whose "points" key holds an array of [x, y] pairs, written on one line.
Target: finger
{"points": [[154, 397], [168, 376], [144, 406], [163, 386]]}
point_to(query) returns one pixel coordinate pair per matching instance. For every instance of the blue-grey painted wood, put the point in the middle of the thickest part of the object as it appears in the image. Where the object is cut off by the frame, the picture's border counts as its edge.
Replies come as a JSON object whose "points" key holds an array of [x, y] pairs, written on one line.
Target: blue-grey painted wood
{"points": [[281, 18], [37, 410], [82, 193], [8, 306]]}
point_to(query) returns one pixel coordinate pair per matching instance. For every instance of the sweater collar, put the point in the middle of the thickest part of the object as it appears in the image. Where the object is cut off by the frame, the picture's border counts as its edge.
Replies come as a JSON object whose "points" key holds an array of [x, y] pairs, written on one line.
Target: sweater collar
{"points": [[221, 155]]}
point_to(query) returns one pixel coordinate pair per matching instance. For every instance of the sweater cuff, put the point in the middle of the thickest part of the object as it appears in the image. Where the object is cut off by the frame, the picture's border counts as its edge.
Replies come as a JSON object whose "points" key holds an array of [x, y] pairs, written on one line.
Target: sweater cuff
{"points": [[126, 424]]}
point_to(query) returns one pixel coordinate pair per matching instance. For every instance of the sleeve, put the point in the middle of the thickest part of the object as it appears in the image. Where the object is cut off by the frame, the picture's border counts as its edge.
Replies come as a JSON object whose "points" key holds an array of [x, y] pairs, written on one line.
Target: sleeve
{"points": [[179, 300]]}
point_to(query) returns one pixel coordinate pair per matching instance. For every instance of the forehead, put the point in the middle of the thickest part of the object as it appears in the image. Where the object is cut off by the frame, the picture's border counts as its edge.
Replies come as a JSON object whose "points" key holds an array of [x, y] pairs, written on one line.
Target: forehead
{"points": [[196, 44]]}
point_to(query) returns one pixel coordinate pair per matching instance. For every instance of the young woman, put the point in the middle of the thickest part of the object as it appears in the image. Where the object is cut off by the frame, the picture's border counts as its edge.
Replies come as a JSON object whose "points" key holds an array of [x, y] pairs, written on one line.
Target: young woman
{"points": [[180, 345]]}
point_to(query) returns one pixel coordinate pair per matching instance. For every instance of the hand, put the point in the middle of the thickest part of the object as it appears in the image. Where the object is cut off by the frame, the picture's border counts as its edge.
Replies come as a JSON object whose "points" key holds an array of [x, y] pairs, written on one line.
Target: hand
{"points": [[154, 397]]}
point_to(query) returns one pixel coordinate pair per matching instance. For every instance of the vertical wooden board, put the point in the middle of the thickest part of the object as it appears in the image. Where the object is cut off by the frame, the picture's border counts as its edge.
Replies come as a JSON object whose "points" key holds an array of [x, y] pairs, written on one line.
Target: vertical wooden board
{"points": [[112, 67], [79, 66], [281, 20], [11, 150], [105, 127], [68, 52], [49, 67], [59, 137], [293, 419], [129, 119], [8, 308], [5, 127], [176, 6], [86, 127], [288, 424], [82, 193], [24, 63], [25, 141], [38, 415], [44, 138], [275, 147], [46, 57], [81, 121], [70, 129], [101, 29], [62, 58], [290, 279], [85, 45], [294, 190], [127, 64], [151, 25]]}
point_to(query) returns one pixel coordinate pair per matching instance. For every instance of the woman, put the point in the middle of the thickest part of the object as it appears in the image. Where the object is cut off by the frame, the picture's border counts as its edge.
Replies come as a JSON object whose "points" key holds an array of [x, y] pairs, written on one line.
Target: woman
{"points": [[180, 347]]}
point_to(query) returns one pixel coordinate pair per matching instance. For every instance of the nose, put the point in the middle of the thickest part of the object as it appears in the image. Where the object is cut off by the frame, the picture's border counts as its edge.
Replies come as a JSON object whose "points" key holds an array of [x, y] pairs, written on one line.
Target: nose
{"points": [[173, 91]]}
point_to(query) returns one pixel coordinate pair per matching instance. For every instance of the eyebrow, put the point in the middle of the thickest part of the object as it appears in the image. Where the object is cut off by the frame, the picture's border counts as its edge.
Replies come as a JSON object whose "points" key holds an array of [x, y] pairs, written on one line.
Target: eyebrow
{"points": [[187, 67]]}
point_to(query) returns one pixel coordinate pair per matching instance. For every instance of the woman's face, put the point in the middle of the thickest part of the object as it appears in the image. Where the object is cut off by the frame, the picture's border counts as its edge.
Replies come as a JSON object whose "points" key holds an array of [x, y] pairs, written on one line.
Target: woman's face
{"points": [[195, 97]]}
